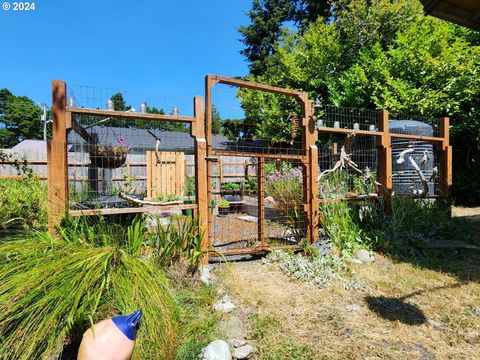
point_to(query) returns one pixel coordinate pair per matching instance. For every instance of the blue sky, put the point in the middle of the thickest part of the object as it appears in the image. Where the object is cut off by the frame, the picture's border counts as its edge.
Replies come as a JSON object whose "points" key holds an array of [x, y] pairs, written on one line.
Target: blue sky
{"points": [[155, 47]]}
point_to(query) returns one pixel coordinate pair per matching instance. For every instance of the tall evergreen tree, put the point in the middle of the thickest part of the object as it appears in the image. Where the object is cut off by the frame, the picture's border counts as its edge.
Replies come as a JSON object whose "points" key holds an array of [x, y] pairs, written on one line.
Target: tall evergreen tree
{"points": [[267, 20]]}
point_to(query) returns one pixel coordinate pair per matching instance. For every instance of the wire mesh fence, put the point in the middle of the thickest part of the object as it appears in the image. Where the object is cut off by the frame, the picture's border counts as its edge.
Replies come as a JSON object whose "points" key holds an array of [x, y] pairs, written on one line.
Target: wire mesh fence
{"points": [[264, 208], [272, 128], [347, 118], [115, 160], [257, 176], [347, 167], [402, 123], [415, 168]]}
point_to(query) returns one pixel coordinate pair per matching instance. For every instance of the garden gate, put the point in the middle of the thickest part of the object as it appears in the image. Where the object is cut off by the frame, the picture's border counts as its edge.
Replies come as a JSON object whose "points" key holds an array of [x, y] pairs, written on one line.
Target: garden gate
{"points": [[261, 223]]}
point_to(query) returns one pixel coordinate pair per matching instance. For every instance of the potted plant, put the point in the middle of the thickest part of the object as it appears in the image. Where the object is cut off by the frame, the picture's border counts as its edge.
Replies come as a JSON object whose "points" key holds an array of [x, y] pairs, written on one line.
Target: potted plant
{"points": [[223, 207], [189, 189], [109, 156], [231, 188]]}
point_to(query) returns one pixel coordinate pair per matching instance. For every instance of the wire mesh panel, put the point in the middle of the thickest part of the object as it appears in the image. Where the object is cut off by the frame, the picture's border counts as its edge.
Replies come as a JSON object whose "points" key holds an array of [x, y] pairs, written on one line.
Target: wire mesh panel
{"points": [[265, 123], [248, 215], [415, 168], [257, 173], [347, 167], [114, 160], [347, 118], [414, 124]]}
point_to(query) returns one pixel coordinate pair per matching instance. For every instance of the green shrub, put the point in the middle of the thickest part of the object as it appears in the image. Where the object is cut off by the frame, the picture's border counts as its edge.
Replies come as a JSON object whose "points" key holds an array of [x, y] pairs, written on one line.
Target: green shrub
{"points": [[411, 224], [189, 187], [165, 244], [23, 202], [223, 203], [341, 225], [251, 186]]}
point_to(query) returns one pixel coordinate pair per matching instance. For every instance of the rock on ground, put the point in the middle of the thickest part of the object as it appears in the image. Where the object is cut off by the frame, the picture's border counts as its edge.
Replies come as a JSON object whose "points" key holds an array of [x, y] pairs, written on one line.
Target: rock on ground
{"points": [[224, 305], [232, 328], [205, 274], [364, 256], [243, 352], [216, 350]]}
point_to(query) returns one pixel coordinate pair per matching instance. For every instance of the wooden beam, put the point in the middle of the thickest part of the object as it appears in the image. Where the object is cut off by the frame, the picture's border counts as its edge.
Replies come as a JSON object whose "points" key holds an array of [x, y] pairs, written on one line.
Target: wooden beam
{"points": [[129, 115], [57, 157], [26, 161], [331, 130], [310, 176], [430, 5], [75, 126], [416, 137], [268, 154], [217, 79], [476, 13], [20, 177], [261, 200], [129, 210], [455, 14], [201, 183], [446, 161], [207, 130], [259, 250], [384, 155]]}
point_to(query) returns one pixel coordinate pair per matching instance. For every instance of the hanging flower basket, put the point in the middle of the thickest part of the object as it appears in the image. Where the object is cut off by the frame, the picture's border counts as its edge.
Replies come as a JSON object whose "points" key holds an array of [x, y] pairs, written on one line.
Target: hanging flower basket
{"points": [[110, 156]]}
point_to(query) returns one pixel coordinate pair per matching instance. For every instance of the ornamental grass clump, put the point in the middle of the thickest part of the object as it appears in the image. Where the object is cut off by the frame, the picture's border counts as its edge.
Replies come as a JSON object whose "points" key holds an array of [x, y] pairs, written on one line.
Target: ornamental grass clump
{"points": [[53, 290]]}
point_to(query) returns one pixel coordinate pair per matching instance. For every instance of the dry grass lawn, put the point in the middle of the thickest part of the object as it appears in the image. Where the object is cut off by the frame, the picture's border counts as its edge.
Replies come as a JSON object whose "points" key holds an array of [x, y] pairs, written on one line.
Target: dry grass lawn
{"points": [[428, 310]]}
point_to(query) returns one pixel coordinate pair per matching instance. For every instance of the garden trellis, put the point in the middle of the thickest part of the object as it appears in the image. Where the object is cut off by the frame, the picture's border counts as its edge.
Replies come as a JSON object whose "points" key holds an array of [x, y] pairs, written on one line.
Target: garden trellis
{"points": [[105, 162]]}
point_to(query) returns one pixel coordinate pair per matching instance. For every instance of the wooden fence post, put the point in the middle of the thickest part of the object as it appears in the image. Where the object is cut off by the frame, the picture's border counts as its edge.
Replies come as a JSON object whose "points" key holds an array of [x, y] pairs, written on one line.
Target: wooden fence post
{"points": [[445, 160], [310, 181], [385, 157], [261, 200], [201, 188], [57, 157]]}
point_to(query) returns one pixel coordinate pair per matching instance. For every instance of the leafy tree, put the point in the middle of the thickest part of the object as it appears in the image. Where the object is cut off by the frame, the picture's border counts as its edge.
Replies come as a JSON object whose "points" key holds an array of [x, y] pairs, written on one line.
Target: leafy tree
{"points": [[20, 119], [235, 129], [308, 11], [386, 54], [119, 102], [5, 97]]}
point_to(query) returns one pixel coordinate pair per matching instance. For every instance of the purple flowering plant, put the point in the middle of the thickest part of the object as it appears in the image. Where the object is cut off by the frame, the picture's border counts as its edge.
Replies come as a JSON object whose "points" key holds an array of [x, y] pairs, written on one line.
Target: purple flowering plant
{"points": [[285, 185]]}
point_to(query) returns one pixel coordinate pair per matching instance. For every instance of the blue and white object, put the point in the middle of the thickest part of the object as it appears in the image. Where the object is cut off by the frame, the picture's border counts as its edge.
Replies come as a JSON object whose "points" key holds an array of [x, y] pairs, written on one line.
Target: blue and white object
{"points": [[110, 339]]}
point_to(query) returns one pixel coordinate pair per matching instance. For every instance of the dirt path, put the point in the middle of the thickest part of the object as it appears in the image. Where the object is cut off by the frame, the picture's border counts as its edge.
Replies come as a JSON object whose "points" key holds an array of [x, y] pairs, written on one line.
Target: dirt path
{"points": [[408, 312]]}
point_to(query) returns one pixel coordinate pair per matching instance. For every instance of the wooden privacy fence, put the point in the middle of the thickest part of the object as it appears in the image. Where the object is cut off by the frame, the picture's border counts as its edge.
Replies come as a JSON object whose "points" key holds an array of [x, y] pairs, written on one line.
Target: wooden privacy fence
{"points": [[165, 173]]}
